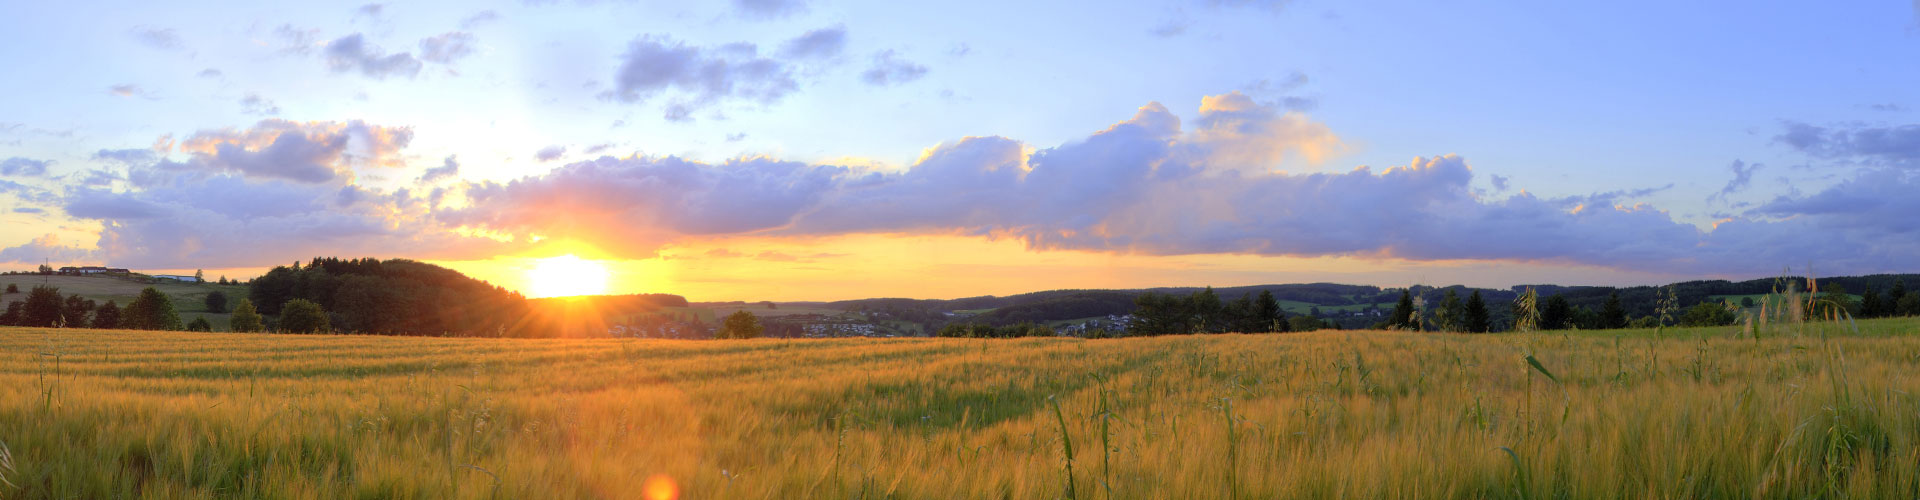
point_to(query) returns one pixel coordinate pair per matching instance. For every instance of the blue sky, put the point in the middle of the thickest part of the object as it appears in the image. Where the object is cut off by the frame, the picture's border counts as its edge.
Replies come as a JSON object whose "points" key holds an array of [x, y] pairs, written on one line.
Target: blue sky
{"points": [[1783, 118]]}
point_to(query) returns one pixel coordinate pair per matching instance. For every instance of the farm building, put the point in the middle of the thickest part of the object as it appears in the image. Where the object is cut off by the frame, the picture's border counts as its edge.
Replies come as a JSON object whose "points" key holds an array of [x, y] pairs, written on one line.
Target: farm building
{"points": [[175, 277]]}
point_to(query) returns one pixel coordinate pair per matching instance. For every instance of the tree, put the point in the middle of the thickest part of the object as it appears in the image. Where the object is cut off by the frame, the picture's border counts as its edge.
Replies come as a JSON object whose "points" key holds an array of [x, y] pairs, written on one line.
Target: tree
{"points": [[200, 275], [13, 288], [740, 325], [1477, 320], [217, 302], [1894, 296], [1746, 302], [1612, 313], [303, 316], [1707, 314], [152, 310], [1267, 311], [107, 316], [1204, 310], [1836, 300], [44, 307], [1452, 315], [1870, 306], [245, 318], [75, 313], [1238, 316], [1158, 314], [1909, 305], [46, 269], [199, 324], [1402, 317], [1557, 314], [12, 317]]}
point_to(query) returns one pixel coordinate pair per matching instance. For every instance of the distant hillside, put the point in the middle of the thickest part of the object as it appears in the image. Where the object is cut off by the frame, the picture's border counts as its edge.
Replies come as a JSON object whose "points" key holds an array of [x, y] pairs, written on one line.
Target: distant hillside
{"points": [[1350, 306], [395, 297], [189, 299], [593, 315], [405, 297]]}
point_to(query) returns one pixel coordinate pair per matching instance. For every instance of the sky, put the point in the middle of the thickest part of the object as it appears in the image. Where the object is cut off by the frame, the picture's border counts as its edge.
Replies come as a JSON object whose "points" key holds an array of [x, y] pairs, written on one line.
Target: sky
{"points": [[834, 149]]}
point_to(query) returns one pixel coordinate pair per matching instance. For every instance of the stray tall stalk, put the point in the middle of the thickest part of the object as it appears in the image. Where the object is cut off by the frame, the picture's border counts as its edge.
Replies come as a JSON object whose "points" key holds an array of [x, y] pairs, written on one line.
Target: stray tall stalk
{"points": [[1066, 444]]}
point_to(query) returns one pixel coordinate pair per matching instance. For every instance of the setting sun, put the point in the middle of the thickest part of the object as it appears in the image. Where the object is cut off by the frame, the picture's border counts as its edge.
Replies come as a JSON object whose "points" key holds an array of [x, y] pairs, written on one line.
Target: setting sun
{"points": [[566, 276]]}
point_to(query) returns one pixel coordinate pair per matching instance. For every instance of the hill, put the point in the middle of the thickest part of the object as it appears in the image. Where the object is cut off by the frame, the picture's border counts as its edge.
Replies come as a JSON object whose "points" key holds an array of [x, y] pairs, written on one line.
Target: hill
{"points": [[1349, 306], [189, 299]]}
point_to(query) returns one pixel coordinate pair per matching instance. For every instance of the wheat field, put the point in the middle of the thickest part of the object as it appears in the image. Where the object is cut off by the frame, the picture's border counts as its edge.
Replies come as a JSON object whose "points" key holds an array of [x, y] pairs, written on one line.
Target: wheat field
{"points": [[1827, 412]]}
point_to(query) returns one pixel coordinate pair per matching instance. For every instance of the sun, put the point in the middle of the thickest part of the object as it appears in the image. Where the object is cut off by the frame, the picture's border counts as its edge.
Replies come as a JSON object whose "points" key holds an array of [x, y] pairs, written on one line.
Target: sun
{"points": [[566, 276]]}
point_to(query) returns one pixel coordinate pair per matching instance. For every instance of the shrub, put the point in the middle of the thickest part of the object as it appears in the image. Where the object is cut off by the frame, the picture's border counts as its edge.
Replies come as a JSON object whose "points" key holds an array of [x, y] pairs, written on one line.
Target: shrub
{"points": [[216, 302], [1707, 314], [303, 316], [152, 310], [245, 318], [107, 316], [199, 324], [43, 308]]}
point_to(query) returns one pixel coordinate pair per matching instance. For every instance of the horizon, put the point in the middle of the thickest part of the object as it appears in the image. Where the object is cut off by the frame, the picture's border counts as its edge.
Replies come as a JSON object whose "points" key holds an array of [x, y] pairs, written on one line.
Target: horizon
{"points": [[810, 151]]}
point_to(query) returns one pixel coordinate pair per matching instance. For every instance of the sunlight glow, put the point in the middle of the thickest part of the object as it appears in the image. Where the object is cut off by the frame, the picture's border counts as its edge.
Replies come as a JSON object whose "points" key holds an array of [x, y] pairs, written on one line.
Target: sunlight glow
{"points": [[566, 276], [660, 487]]}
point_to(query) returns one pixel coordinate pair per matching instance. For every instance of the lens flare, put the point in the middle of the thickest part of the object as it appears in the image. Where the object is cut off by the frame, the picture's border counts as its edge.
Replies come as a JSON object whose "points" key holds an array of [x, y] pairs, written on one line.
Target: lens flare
{"points": [[660, 487]]}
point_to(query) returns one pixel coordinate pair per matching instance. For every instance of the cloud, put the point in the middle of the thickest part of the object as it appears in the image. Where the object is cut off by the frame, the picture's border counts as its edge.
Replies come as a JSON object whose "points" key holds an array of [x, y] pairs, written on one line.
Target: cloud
{"points": [[1171, 28], [1742, 177], [28, 210], [351, 53], [256, 196], [228, 221], [95, 204], [769, 9], [772, 256], [736, 137], [1237, 132], [371, 11], [1136, 188], [1882, 145], [295, 40], [447, 47], [448, 169], [1271, 5], [46, 249], [210, 73], [479, 18], [889, 69], [822, 43], [29, 194], [635, 204], [1499, 182], [550, 153], [253, 104], [23, 167], [699, 76], [310, 152], [159, 38], [1225, 182], [124, 90]]}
